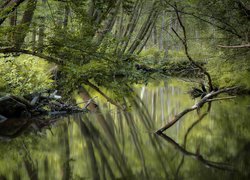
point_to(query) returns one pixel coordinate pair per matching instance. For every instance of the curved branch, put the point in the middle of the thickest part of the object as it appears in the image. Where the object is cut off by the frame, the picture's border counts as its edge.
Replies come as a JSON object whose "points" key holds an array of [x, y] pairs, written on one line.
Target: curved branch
{"points": [[184, 42], [212, 164], [11, 50], [230, 28]]}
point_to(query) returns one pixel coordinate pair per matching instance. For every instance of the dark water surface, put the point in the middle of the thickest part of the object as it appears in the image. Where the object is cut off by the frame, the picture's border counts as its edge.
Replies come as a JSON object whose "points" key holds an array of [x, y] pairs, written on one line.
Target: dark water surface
{"points": [[115, 144]]}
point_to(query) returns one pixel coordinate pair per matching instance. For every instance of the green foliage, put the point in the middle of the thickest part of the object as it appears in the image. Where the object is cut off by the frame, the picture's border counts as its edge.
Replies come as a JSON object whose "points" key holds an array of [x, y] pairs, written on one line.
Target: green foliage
{"points": [[72, 38], [151, 56], [176, 55], [110, 73], [230, 73], [71, 45], [24, 74]]}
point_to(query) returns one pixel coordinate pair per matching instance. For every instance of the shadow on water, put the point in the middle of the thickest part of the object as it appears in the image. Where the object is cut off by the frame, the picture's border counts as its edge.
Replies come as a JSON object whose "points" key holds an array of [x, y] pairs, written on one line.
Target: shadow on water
{"points": [[109, 143]]}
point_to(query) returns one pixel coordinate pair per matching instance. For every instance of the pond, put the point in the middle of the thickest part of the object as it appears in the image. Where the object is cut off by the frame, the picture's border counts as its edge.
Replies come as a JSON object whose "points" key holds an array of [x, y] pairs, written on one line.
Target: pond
{"points": [[114, 144]]}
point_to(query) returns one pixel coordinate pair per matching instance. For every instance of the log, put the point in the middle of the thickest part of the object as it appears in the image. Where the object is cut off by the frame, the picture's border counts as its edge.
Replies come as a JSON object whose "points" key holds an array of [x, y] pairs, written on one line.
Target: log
{"points": [[12, 106]]}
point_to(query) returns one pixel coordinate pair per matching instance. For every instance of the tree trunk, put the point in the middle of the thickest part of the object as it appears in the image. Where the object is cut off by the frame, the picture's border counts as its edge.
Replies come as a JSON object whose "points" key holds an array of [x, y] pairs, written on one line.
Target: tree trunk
{"points": [[131, 25], [23, 29], [144, 29], [66, 16], [107, 25], [41, 32], [147, 35], [154, 36], [13, 23], [34, 38]]}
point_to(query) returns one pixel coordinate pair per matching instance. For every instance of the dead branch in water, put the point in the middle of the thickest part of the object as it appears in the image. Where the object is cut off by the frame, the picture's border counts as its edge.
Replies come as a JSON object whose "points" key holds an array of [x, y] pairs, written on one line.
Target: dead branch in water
{"points": [[205, 99], [212, 92]]}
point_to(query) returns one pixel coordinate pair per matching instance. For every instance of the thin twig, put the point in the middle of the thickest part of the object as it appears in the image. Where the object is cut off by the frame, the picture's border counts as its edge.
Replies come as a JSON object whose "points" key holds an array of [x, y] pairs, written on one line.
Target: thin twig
{"points": [[236, 46], [219, 99]]}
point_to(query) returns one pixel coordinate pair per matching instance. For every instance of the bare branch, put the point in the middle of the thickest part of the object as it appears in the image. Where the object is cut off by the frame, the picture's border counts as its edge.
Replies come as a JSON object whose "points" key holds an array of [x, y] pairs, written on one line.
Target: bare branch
{"points": [[184, 42], [205, 99], [236, 46], [219, 99], [224, 27]]}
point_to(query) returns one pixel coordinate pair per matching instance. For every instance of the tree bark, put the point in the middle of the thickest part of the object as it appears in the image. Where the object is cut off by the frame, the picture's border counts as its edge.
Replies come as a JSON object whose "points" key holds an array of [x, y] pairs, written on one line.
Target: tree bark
{"points": [[144, 29], [108, 24], [132, 22], [23, 29]]}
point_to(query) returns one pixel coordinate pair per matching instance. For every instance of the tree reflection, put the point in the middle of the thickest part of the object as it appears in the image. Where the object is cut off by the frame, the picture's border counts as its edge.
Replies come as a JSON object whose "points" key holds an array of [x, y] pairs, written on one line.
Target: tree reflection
{"points": [[111, 143]]}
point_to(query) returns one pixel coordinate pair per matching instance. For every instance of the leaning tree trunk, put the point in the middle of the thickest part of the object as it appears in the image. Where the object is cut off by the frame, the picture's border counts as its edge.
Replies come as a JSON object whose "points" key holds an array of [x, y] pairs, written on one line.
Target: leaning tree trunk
{"points": [[144, 29], [8, 7], [23, 28]]}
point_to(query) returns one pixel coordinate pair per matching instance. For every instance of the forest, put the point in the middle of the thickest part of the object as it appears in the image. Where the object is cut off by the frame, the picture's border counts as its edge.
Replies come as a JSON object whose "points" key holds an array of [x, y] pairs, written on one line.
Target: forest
{"points": [[124, 89]]}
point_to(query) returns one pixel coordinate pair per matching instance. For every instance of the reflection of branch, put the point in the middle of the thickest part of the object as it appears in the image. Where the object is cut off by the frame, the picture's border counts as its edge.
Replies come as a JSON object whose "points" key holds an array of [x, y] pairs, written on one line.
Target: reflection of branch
{"points": [[186, 135], [102, 93], [40, 124], [216, 165], [30, 166], [205, 99], [191, 127], [19, 131]]}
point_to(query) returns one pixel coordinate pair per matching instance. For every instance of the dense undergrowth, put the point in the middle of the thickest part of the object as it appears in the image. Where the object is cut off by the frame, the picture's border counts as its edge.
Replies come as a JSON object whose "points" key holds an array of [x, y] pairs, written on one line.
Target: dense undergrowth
{"points": [[25, 74]]}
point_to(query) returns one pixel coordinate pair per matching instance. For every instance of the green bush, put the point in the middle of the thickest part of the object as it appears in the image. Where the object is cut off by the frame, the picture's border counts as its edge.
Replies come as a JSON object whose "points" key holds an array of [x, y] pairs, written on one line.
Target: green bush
{"points": [[230, 73], [24, 74]]}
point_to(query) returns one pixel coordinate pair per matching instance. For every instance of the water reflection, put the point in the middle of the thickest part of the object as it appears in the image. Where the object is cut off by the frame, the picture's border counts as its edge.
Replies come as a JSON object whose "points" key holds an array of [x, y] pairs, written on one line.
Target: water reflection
{"points": [[109, 143]]}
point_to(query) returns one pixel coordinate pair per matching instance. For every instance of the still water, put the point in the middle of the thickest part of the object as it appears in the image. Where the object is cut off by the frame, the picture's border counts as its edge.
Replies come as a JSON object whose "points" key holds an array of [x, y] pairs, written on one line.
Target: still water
{"points": [[115, 144]]}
